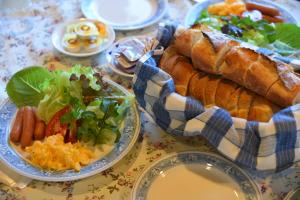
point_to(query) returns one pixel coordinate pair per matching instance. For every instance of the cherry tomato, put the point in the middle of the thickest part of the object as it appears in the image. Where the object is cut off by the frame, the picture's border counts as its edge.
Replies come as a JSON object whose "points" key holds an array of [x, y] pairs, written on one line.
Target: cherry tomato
{"points": [[55, 126]]}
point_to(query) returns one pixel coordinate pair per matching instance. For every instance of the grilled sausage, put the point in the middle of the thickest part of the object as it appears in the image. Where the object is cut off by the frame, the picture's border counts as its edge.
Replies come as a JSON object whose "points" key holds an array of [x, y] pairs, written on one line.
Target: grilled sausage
{"points": [[267, 10], [276, 19], [39, 129], [16, 131], [28, 127]]}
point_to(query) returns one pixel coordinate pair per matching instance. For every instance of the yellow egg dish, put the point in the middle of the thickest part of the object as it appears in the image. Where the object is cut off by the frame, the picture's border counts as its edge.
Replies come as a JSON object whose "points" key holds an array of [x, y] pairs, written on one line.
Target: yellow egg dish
{"points": [[91, 45], [71, 43], [86, 30], [71, 28], [53, 153]]}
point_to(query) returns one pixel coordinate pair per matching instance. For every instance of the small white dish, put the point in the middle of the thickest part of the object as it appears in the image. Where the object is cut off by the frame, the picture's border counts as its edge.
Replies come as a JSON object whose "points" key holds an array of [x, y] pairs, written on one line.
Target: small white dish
{"points": [[127, 14], [194, 175], [60, 30]]}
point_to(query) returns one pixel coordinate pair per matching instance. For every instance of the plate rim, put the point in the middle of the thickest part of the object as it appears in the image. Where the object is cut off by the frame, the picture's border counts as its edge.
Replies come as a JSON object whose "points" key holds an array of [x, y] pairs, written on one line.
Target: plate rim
{"points": [[59, 27], [157, 17], [175, 154], [291, 194], [91, 173], [194, 8]]}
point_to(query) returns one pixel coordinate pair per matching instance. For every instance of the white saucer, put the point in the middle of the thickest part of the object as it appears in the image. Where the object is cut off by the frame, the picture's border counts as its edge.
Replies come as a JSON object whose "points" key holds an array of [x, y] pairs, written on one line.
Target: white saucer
{"points": [[125, 14], [59, 31]]}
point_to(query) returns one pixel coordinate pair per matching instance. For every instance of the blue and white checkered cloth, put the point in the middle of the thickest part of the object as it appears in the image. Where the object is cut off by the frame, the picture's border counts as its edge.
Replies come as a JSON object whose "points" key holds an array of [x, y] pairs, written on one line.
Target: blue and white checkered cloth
{"points": [[274, 145]]}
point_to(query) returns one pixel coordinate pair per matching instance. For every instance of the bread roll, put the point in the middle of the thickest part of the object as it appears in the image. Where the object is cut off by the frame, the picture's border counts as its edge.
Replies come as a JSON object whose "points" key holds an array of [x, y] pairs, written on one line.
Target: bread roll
{"points": [[232, 103], [224, 91], [244, 104], [210, 90], [261, 109], [181, 75], [197, 87]]}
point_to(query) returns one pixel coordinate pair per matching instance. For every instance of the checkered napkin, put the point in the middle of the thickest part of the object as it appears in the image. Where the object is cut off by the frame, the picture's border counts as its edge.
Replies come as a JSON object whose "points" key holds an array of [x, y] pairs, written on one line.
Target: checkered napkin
{"points": [[261, 146]]}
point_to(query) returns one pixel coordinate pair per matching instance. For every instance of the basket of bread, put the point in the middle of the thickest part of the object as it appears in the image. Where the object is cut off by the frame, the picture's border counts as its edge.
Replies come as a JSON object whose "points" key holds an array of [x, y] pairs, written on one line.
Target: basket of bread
{"points": [[243, 100]]}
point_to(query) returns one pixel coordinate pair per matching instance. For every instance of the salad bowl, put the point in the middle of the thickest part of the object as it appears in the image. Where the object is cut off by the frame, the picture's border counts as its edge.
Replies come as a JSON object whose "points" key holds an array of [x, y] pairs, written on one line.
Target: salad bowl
{"points": [[195, 11], [10, 157], [260, 25]]}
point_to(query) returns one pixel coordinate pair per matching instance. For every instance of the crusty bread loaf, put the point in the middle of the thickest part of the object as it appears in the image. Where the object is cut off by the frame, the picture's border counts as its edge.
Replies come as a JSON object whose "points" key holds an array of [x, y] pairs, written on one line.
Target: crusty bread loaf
{"points": [[214, 90], [245, 103], [214, 53], [225, 89], [260, 109], [197, 87], [181, 75]]}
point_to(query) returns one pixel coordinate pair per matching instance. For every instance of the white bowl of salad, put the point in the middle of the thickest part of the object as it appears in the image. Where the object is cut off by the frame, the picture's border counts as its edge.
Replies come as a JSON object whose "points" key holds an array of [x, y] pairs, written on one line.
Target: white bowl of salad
{"points": [[261, 23]]}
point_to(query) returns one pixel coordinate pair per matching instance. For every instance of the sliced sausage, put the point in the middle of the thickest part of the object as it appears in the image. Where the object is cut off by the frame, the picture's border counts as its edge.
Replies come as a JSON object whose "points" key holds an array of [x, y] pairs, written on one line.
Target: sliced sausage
{"points": [[267, 10], [39, 129], [28, 127], [16, 131], [276, 19]]}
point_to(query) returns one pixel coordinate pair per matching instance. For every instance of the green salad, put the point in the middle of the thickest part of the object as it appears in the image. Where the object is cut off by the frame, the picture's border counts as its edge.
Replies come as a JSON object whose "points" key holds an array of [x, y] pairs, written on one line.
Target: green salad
{"points": [[78, 98], [283, 38]]}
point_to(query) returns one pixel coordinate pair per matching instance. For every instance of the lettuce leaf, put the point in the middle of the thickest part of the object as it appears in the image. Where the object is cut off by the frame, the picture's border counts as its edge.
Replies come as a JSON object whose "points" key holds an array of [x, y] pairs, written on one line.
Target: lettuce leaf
{"points": [[25, 88], [88, 72], [94, 107], [58, 94], [288, 34], [282, 48], [66, 86], [101, 121]]}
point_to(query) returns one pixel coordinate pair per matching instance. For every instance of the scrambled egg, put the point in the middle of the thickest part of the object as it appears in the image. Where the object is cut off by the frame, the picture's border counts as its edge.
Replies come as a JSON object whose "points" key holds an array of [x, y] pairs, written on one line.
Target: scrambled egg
{"points": [[54, 154]]}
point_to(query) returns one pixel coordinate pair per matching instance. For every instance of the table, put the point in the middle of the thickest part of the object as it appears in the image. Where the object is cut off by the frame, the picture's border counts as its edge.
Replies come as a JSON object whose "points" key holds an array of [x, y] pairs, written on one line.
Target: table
{"points": [[25, 40]]}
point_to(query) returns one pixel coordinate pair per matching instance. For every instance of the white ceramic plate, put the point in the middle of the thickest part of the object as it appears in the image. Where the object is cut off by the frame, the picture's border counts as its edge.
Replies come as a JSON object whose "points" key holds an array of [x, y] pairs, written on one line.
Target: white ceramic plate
{"points": [[194, 12], [59, 32], [12, 159], [195, 175], [125, 14]]}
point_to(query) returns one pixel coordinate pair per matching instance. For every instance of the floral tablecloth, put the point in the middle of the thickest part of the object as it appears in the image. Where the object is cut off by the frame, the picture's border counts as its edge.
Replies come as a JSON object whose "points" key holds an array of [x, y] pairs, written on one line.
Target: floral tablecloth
{"points": [[25, 40]]}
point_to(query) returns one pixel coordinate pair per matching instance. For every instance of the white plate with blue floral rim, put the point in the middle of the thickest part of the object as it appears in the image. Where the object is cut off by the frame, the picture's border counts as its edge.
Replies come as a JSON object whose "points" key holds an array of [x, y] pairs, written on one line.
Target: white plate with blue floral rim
{"points": [[293, 195], [194, 13], [195, 175], [125, 15], [12, 159]]}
